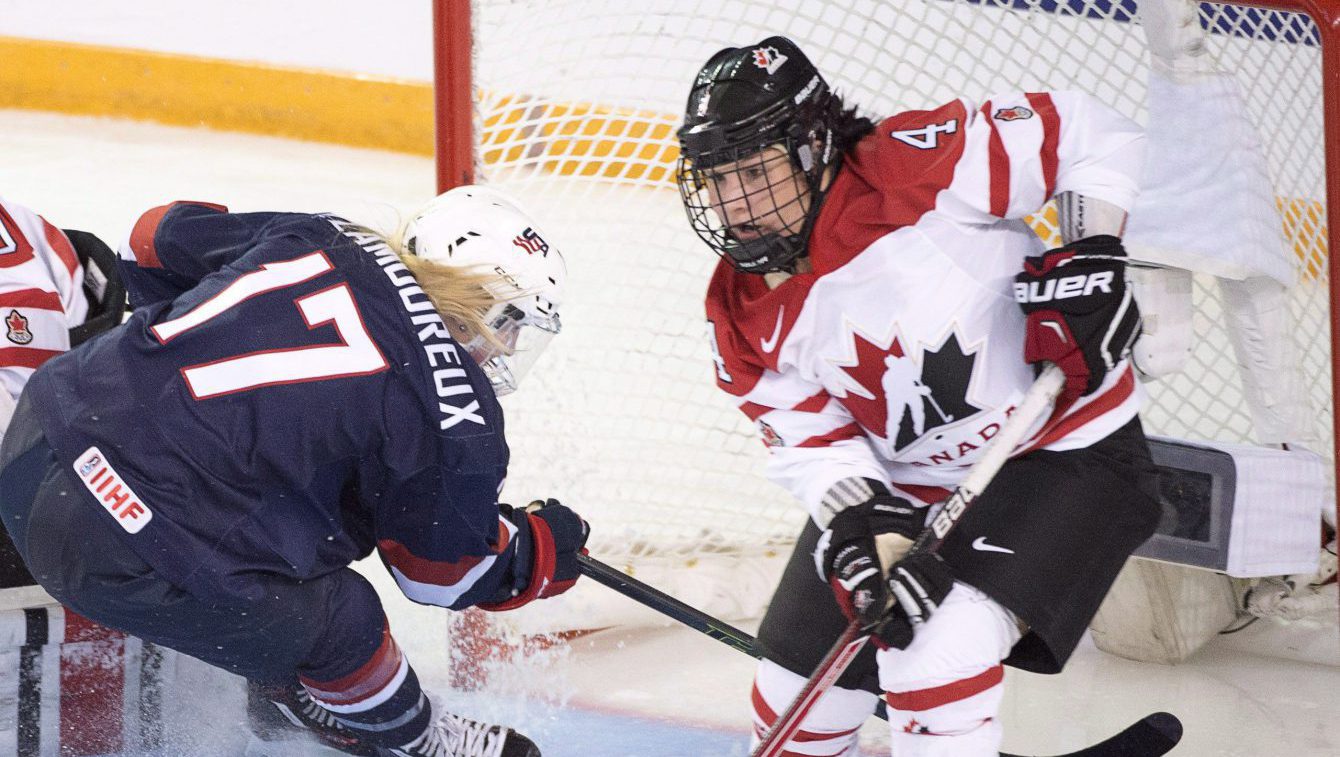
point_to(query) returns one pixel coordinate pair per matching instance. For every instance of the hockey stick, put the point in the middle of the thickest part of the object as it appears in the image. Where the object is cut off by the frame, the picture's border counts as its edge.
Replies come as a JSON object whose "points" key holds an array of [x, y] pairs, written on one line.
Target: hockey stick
{"points": [[667, 605], [1150, 736], [1036, 401]]}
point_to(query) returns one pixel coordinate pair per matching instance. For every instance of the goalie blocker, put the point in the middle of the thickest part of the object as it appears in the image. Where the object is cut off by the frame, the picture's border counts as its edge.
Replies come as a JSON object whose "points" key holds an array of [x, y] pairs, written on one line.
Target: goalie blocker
{"points": [[1242, 510]]}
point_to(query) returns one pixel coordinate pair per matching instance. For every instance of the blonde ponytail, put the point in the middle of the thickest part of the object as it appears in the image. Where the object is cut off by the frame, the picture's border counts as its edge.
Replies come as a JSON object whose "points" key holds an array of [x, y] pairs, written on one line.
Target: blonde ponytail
{"points": [[461, 295]]}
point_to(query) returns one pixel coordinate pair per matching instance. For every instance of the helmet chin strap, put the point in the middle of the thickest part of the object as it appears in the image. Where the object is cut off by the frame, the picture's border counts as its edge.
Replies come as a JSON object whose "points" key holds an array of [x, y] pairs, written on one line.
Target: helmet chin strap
{"points": [[770, 252]]}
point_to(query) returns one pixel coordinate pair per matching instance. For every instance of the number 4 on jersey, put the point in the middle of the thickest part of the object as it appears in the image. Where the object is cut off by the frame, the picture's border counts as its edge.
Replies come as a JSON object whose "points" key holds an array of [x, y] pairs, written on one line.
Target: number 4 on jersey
{"points": [[927, 137], [720, 361]]}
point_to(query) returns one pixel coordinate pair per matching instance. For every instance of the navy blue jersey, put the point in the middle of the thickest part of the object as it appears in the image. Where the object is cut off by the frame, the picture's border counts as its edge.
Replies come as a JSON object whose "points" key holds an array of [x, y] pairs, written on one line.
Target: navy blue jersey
{"points": [[283, 399]]}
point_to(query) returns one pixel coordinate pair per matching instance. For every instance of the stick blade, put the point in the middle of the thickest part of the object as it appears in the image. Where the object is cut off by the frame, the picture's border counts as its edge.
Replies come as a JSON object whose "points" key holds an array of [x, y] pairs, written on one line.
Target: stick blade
{"points": [[1156, 734], [1151, 736]]}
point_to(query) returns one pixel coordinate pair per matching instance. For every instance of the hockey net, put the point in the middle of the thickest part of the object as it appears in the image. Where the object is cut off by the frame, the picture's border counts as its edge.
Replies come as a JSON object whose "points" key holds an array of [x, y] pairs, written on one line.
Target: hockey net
{"points": [[572, 105]]}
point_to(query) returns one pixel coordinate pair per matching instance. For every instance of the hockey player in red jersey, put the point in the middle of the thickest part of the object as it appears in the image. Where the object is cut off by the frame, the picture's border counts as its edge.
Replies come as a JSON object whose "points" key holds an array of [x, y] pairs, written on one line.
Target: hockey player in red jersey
{"points": [[879, 308], [292, 392]]}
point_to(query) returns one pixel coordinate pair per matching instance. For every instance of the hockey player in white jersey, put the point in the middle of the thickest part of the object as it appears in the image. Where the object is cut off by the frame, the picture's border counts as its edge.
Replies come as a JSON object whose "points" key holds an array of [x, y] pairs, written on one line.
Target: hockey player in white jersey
{"points": [[879, 309], [58, 288]]}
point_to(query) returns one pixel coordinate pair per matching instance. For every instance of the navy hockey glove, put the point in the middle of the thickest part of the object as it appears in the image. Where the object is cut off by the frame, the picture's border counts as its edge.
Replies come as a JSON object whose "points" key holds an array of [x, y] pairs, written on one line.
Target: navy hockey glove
{"points": [[918, 583], [1081, 314], [859, 541], [549, 537]]}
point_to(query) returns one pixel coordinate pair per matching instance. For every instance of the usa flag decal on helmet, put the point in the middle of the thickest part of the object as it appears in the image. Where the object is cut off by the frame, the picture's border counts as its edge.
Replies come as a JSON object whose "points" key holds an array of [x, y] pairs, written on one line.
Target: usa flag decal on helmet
{"points": [[531, 242]]}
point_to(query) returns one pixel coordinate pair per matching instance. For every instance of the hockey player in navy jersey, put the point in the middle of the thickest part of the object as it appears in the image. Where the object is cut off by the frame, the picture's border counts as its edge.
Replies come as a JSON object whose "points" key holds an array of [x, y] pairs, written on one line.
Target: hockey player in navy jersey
{"points": [[879, 308], [291, 392]]}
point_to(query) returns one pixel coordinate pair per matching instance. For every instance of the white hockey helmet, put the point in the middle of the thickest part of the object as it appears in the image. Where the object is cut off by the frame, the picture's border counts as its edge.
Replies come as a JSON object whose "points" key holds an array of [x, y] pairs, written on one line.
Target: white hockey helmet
{"points": [[482, 228]]}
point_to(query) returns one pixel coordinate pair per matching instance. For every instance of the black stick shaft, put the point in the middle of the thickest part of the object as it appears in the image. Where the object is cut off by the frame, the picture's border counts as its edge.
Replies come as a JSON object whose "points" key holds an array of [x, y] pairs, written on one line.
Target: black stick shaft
{"points": [[667, 605]]}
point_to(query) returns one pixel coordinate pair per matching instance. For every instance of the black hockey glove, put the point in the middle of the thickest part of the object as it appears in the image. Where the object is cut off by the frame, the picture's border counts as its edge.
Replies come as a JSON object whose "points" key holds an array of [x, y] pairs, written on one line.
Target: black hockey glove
{"points": [[549, 537], [1081, 314], [102, 285], [918, 583], [850, 551]]}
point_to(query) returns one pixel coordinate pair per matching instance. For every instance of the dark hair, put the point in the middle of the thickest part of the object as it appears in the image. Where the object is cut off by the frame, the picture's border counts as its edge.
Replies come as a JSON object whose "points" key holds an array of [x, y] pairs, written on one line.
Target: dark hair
{"points": [[849, 127]]}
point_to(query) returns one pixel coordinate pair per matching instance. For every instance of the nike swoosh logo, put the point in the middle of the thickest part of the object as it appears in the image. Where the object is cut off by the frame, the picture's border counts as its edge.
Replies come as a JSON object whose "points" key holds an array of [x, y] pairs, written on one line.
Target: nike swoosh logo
{"points": [[1054, 326], [771, 343], [980, 544]]}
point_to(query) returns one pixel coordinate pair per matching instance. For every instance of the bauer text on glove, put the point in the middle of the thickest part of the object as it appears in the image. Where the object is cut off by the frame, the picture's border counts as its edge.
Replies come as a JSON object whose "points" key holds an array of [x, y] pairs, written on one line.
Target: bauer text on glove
{"points": [[1080, 310]]}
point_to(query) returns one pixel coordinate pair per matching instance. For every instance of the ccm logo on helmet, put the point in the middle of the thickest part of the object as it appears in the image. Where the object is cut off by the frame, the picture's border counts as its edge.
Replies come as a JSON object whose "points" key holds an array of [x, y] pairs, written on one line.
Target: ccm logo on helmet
{"points": [[1064, 288]]}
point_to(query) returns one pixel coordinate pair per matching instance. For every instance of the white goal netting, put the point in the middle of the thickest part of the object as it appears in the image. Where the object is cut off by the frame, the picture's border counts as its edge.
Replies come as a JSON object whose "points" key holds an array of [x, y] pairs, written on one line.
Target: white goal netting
{"points": [[576, 106]]}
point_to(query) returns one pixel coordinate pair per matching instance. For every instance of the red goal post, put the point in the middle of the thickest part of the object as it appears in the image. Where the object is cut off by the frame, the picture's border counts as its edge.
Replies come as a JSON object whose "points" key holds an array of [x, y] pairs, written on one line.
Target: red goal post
{"points": [[573, 105]]}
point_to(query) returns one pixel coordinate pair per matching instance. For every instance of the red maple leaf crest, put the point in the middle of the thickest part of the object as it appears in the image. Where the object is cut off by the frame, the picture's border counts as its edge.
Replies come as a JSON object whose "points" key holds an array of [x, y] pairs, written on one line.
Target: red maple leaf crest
{"points": [[871, 411]]}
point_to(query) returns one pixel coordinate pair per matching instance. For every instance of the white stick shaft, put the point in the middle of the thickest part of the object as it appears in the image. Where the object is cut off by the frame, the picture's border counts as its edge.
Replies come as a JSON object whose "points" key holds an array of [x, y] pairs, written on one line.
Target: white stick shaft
{"points": [[1037, 400]]}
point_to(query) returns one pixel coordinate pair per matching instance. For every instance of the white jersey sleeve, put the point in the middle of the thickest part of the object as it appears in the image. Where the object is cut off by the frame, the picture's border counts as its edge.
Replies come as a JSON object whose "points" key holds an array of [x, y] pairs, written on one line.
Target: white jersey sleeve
{"points": [[41, 297], [1021, 149], [813, 440]]}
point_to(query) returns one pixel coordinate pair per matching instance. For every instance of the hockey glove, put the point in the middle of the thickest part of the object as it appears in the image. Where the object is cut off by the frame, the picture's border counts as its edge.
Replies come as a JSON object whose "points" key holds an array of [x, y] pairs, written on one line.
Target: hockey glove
{"points": [[102, 285], [857, 545], [549, 537], [1080, 310], [918, 583]]}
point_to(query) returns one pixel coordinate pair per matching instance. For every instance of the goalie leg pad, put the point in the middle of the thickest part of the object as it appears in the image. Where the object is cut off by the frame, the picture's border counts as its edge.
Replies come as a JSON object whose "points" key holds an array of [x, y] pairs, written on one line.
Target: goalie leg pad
{"points": [[831, 728], [944, 691]]}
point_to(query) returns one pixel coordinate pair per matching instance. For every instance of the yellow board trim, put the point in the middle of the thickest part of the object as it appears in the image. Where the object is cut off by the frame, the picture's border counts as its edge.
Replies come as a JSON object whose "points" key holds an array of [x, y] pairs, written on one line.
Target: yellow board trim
{"points": [[189, 91], [566, 138]]}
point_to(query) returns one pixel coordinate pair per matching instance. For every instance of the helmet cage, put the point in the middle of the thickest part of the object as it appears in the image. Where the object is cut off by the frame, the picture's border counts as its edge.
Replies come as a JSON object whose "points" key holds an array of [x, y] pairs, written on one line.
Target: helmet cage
{"points": [[709, 145]]}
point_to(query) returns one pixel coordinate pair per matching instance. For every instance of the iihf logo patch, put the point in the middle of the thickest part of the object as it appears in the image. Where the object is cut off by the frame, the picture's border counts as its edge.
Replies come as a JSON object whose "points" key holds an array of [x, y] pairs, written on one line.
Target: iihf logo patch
{"points": [[1017, 113], [532, 242], [112, 491], [18, 332], [770, 435], [768, 59]]}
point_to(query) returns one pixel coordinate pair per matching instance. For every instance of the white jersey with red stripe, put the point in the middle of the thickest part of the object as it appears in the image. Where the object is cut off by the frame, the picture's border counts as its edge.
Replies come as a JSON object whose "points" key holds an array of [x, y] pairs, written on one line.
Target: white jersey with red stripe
{"points": [[41, 296], [900, 354]]}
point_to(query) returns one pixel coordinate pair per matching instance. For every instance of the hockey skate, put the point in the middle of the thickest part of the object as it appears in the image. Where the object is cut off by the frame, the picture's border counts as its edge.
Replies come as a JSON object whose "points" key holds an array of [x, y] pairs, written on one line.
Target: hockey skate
{"points": [[456, 736], [285, 721]]}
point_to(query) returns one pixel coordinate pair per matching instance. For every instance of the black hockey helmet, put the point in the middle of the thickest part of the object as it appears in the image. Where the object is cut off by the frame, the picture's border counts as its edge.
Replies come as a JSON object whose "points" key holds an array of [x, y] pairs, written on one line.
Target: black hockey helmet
{"points": [[744, 100]]}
